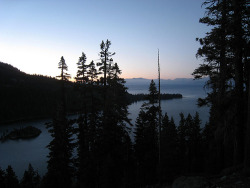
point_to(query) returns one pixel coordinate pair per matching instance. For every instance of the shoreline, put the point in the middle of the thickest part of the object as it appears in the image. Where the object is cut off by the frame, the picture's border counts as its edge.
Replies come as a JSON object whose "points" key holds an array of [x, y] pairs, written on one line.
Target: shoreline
{"points": [[130, 101]]}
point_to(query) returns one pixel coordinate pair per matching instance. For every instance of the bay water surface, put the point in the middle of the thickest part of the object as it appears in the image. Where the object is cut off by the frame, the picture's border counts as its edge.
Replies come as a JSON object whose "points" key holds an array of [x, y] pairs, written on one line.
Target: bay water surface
{"points": [[19, 153]]}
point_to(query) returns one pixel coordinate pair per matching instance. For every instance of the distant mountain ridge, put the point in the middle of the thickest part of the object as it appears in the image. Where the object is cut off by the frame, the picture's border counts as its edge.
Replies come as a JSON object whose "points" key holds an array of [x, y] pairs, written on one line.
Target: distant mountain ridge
{"points": [[11, 75], [177, 81]]}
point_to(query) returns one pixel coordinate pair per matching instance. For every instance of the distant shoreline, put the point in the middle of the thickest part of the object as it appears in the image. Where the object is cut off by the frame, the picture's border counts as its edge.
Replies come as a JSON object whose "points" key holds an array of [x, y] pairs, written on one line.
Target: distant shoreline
{"points": [[132, 98], [140, 97]]}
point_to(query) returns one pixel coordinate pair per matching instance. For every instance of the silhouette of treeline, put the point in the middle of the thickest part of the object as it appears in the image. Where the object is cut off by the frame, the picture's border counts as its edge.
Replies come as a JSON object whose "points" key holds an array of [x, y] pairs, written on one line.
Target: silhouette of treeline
{"points": [[108, 158], [30, 179], [226, 54], [141, 96], [182, 153], [25, 96], [103, 142], [161, 156], [105, 154], [100, 136]]}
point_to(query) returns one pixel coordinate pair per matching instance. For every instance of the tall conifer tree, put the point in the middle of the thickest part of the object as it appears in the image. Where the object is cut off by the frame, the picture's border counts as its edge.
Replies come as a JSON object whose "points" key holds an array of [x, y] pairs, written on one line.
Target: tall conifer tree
{"points": [[106, 59], [60, 170], [225, 52], [2, 178], [146, 139], [169, 150], [82, 66], [11, 180]]}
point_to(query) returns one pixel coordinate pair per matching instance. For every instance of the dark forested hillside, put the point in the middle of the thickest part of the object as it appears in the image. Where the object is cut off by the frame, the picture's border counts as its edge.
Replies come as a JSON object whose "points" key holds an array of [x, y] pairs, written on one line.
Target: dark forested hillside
{"points": [[25, 96], [13, 77]]}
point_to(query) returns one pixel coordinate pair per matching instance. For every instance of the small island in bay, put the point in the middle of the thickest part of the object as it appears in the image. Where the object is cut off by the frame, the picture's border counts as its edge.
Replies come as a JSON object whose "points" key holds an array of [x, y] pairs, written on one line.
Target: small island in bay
{"points": [[140, 97], [21, 133]]}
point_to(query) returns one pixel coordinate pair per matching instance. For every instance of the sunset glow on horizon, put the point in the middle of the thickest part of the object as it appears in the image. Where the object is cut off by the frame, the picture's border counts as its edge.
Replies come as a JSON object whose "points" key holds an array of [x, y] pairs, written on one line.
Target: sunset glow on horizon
{"points": [[35, 34]]}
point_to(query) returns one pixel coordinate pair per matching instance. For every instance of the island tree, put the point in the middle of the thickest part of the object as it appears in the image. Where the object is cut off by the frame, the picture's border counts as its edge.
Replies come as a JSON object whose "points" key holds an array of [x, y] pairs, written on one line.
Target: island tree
{"points": [[146, 139]]}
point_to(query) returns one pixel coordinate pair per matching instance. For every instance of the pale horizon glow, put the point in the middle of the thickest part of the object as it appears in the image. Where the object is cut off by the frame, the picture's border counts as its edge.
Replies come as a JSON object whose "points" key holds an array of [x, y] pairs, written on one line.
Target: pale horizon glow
{"points": [[35, 34]]}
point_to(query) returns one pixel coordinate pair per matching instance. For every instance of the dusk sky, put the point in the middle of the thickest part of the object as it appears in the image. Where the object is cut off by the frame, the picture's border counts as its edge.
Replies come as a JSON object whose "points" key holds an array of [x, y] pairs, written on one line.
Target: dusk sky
{"points": [[35, 34]]}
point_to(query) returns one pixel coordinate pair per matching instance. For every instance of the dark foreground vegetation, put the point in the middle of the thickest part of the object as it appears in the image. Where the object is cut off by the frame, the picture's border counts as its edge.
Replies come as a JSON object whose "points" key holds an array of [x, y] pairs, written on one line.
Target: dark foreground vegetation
{"points": [[162, 151]]}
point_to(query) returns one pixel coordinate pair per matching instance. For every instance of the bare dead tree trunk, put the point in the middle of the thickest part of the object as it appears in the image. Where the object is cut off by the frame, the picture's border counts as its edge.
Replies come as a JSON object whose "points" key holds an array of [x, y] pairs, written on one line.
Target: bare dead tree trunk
{"points": [[238, 33], [247, 142], [159, 101]]}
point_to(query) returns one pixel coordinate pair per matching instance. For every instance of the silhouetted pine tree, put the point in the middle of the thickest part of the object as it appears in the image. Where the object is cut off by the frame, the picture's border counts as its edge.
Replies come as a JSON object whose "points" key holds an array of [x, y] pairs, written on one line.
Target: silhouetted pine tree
{"points": [[104, 146], [60, 170], [188, 153], [106, 59], [247, 146], [114, 139], [82, 121], [182, 142], [10, 178], [194, 143], [88, 149], [2, 178], [64, 76], [153, 93], [81, 75], [31, 179], [88, 123], [225, 50], [209, 149], [88, 144], [169, 150], [189, 141], [83, 150], [92, 72], [146, 140]]}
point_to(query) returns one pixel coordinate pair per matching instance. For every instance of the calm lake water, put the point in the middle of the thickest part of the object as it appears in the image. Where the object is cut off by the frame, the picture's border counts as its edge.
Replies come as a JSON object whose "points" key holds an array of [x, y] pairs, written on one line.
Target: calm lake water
{"points": [[19, 153]]}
